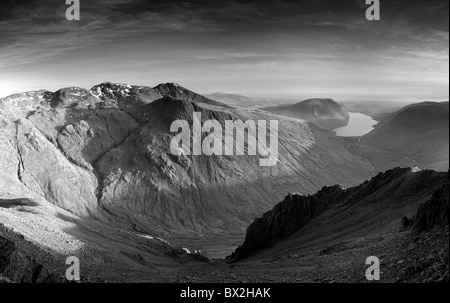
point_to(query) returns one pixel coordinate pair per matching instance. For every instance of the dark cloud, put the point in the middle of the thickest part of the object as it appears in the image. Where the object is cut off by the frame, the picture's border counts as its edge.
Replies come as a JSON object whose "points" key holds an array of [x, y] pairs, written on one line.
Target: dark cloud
{"points": [[219, 37], [232, 15], [29, 10]]}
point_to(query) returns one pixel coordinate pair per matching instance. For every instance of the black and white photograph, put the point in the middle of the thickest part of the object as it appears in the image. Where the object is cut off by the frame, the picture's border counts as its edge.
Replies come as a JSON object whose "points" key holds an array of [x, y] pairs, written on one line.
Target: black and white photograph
{"points": [[243, 145]]}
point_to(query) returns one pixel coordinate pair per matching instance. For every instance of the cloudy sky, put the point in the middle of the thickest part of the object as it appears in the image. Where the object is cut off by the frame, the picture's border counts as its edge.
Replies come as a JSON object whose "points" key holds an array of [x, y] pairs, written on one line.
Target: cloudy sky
{"points": [[309, 48]]}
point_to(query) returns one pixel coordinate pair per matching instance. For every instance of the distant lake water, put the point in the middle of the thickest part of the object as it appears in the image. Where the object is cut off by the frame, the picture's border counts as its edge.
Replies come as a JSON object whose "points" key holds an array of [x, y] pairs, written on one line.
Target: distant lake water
{"points": [[358, 126]]}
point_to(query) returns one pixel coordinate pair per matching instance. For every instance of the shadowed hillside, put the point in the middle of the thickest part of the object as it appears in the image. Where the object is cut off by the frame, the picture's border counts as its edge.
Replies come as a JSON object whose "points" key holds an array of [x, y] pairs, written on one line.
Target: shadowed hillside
{"points": [[416, 135], [335, 212]]}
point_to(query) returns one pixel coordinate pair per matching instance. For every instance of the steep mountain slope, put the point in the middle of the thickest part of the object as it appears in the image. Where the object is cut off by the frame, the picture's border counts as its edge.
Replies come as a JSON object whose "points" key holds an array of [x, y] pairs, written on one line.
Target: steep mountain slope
{"points": [[325, 113], [416, 135], [105, 154], [212, 194], [49, 185], [337, 215]]}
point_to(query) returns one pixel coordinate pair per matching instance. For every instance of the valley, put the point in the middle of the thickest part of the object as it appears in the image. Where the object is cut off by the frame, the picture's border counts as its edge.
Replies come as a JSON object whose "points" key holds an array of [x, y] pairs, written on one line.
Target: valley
{"points": [[163, 142], [91, 173]]}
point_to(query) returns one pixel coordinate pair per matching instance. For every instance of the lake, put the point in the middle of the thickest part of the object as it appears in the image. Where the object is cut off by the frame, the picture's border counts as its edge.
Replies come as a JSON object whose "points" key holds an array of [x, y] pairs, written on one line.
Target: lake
{"points": [[358, 126]]}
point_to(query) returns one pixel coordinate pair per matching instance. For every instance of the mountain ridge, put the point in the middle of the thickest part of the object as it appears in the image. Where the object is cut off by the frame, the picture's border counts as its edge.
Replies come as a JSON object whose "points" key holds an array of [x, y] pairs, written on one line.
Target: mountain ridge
{"points": [[296, 211]]}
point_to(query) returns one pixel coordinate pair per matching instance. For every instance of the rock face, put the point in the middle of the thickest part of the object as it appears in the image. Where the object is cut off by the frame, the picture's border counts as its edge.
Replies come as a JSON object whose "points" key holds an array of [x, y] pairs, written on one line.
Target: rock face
{"points": [[386, 192], [105, 153], [286, 218], [324, 113], [6, 249], [433, 213], [19, 266], [417, 135]]}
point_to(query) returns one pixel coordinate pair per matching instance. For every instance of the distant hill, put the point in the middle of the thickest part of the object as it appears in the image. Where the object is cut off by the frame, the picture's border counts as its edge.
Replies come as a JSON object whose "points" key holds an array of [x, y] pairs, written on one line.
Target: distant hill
{"points": [[233, 99], [417, 134], [249, 102], [324, 113]]}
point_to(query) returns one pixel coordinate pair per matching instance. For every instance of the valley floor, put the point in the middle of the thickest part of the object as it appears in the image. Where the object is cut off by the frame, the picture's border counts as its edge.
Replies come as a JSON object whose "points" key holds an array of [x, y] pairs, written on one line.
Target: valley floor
{"points": [[404, 257]]}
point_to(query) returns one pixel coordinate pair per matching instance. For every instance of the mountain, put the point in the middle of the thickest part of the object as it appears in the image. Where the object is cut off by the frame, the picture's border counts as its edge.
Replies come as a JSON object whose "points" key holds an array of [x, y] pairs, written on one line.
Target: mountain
{"points": [[103, 156], [178, 92], [90, 173], [336, 229], [324, 113], [124, 94], [417, 134], [234, 99]]}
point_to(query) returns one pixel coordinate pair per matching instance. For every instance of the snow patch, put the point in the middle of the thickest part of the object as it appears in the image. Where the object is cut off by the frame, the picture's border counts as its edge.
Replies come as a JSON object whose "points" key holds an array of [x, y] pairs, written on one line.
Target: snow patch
{"points": [[415, 169], [189, 252]]}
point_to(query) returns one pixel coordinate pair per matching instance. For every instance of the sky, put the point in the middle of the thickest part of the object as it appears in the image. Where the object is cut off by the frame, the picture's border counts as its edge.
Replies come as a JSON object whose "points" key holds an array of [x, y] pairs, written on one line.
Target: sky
{"points": [[274, 48]]}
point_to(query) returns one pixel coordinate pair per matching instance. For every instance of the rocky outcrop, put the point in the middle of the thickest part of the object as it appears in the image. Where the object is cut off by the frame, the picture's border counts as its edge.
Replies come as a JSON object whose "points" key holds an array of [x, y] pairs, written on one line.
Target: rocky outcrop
{"points": [[393, 190], [286, 218], [20, 266], [433, 213], [6, 249]]}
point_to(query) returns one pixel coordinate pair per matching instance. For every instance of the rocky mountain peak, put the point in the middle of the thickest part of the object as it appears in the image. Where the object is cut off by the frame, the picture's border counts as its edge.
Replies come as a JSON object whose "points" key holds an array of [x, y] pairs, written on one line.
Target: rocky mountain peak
{"points": [[124, 93]]}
